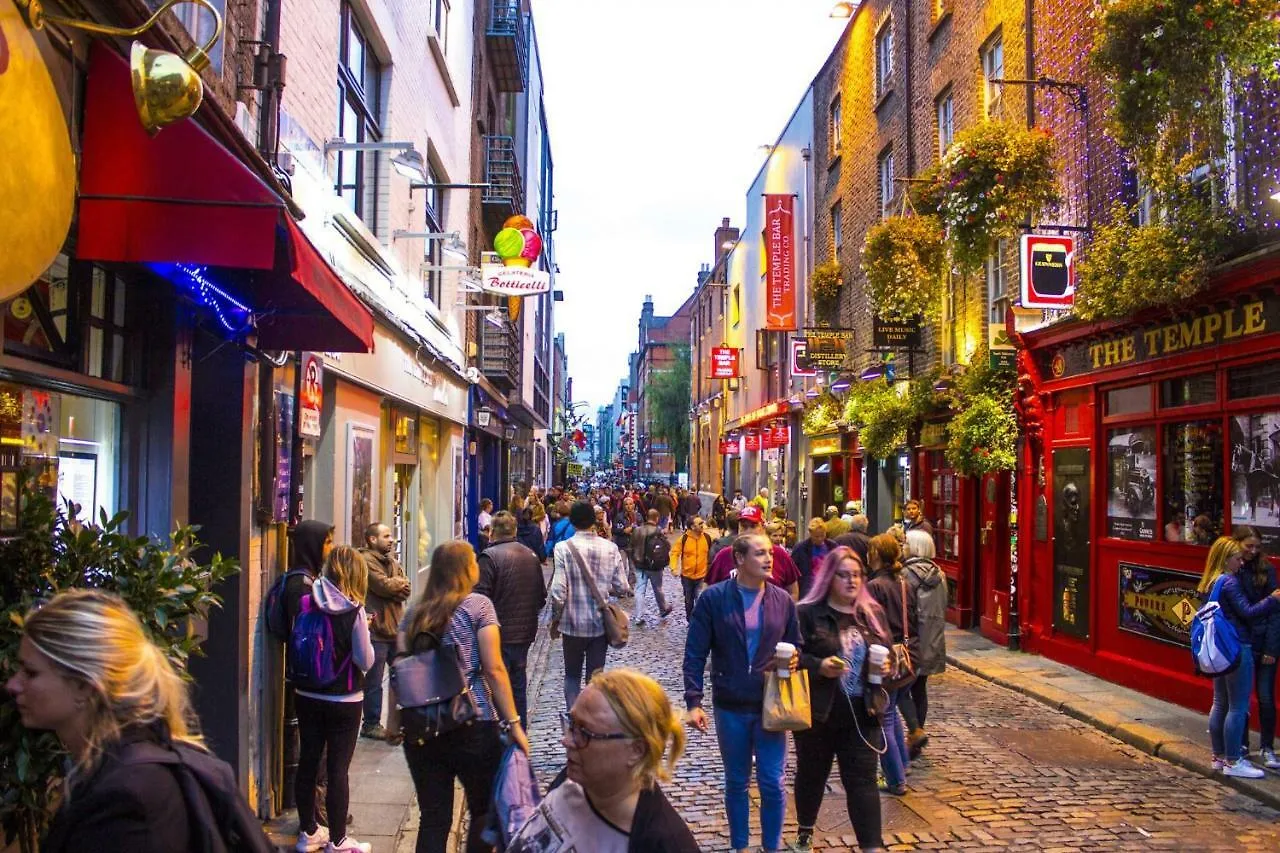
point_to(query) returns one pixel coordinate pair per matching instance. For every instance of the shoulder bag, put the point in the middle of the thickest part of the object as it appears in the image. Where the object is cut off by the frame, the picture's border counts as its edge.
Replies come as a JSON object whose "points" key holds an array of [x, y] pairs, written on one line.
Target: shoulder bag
{"points": [[433, 691], [613, 616], [903, 671]]}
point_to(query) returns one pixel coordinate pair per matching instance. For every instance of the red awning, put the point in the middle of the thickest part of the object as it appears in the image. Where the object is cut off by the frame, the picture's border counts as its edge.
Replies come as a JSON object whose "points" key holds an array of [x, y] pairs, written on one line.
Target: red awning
{"points": [[181, 197]]}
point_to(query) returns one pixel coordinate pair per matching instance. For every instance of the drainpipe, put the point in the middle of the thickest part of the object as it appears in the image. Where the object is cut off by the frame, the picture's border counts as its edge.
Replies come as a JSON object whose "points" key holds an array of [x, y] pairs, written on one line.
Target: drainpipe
{"points": [[908, 99], [269, 108]]}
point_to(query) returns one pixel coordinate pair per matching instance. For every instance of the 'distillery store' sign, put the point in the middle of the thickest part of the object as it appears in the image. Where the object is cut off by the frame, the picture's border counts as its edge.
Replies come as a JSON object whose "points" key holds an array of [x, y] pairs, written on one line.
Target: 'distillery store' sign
{"points": [[1251, 317]]}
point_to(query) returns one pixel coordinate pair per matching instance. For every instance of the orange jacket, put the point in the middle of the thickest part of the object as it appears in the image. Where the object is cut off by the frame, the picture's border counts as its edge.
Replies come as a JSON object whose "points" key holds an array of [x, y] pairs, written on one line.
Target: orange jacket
{"points": [[691, 551]]}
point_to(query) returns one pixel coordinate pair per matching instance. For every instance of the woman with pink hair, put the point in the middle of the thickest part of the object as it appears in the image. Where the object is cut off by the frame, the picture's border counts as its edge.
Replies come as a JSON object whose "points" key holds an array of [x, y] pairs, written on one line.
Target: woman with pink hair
{"points": [[839, 622]]}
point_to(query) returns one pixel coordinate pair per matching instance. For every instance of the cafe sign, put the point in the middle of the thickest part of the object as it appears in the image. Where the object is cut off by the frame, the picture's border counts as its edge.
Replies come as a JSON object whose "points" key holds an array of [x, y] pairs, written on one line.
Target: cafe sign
{"points": [[1251, 317]]}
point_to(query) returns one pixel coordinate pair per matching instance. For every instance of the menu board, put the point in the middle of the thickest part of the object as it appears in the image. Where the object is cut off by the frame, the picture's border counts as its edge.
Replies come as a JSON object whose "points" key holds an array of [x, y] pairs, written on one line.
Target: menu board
{"points": [[1071, 540], [1131, 485], [1194, 482]]}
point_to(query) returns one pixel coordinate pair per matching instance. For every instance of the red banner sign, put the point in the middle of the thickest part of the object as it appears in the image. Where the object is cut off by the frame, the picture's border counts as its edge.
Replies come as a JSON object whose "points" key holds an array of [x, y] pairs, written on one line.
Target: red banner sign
{"points": [[781, 434], [766, 437], [724, 363], [780, 292], [729, 447], [753, 440]]}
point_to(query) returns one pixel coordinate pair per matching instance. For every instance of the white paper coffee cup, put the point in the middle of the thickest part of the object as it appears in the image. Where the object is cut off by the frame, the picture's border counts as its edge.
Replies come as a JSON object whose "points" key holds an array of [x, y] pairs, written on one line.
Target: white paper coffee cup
{"points": [[782, 655], [877, 655]]}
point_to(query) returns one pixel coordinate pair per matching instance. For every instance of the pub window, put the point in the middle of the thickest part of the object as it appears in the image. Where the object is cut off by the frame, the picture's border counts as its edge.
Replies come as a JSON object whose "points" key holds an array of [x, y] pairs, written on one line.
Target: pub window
{"points": [[944, 494], [1194, 482], [1134, 400], [993, 69], [1255, 474], [1254, 380], [1199, 389], [997, 286], [1131, 483]]}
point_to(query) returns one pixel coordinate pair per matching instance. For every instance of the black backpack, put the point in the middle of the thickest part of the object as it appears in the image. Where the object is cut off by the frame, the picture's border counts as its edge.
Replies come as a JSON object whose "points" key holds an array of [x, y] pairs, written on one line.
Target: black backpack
{"points": [[276, 609], [657, 551], [220, 820]]}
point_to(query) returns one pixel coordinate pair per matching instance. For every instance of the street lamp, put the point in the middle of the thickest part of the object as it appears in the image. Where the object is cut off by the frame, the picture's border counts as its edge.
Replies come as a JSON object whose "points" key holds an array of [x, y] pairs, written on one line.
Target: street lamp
{"points": [[844, 10]]}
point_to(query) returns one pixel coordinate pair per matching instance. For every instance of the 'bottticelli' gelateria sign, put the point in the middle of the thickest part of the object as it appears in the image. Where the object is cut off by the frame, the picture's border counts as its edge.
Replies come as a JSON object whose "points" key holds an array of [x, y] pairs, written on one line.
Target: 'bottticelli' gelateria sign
{"points": [[1250, 317]]}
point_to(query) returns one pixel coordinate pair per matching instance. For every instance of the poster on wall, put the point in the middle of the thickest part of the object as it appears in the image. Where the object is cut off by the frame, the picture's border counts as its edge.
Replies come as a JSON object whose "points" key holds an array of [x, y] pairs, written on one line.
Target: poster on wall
{"points": [[284, 456], [1071, 541], [312, 396], [1158, 603], [78, 485], [1131, 483], [459, 472], [1255, 475], [360, 453]]}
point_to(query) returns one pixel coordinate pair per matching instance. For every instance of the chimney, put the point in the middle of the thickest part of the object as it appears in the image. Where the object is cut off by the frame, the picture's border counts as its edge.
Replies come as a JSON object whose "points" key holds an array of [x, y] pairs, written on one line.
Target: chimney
{"points": [[725, 234]]}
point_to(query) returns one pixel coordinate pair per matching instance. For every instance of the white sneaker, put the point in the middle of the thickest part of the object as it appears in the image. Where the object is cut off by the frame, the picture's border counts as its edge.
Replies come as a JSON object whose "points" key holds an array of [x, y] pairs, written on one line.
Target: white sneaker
{"points": [[349, 845], [1218, 763], [313, 842], [1244, 770], [1269, 759]]}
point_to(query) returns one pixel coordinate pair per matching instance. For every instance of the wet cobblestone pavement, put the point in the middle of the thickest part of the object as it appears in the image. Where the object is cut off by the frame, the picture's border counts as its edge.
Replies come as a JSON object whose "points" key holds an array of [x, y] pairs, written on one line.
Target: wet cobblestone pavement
{"points": [[1001, 772]]}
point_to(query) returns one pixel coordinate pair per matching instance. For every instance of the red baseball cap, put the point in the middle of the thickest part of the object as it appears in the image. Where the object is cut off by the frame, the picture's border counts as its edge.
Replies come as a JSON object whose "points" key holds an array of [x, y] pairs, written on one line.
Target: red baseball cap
{"points": [[752, 514]]}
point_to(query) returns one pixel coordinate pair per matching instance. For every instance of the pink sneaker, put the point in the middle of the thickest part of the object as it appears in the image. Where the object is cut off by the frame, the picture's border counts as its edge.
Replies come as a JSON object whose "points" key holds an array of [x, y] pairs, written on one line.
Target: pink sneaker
{"points": [[314, 842], [349, 845]]}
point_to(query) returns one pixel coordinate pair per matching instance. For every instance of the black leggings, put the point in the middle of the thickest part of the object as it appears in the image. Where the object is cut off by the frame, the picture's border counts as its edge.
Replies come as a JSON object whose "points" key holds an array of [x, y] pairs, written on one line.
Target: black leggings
{"points": [[920, 697], [471, 755], [839, 740], [332, 727]]}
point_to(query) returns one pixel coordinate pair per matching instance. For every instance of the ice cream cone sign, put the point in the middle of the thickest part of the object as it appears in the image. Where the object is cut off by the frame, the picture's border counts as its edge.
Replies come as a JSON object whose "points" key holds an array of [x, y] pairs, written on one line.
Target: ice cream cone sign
{"points": [[519, 247], [37, 168], [518, 244]]}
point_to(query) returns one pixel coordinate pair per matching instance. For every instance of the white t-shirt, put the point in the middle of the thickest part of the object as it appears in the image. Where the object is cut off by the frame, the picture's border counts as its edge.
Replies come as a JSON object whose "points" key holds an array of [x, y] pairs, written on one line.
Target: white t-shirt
{"points": [[566, 822], [484, 520]]}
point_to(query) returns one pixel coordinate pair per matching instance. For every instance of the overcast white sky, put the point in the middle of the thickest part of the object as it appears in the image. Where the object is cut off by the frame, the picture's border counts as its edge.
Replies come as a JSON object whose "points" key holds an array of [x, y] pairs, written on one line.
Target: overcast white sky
{"points": [[657, 111]]}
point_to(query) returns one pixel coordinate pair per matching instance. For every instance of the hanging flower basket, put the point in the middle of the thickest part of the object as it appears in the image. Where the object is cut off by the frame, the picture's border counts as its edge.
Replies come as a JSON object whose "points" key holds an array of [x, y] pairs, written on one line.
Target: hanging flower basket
{"points": [[982, 438], [992, 179], [1165, 60], [882, 417], [825, 283], [902, 259], [820, 414]]}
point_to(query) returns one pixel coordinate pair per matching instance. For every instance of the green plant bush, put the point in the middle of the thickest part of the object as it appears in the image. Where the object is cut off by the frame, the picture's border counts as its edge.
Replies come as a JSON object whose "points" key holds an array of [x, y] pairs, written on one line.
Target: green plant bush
{"points": [[820, 414], [902, 258], [982, 437], [825, 283], [882, 416], [165, 584]]}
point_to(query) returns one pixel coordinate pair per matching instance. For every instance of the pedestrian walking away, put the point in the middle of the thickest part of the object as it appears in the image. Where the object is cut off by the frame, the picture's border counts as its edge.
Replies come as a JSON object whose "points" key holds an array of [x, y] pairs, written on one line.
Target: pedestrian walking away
{"points": [[574, 614], [389, 588], [511, 577], [928, 586], [839, 622], [450, 615], [784, 572], [889, 589], [88, 672], [857, 537], [328, 656], [1232, 690], [740, 623], [1258, 579], [691, 564], [651, 551], [622, 738]]}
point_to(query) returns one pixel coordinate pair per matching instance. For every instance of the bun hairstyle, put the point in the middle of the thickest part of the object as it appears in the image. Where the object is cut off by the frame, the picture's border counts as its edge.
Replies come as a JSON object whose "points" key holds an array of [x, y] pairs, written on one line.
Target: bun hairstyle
{"points": [[644, 712], [94, 638], [887, 551]]}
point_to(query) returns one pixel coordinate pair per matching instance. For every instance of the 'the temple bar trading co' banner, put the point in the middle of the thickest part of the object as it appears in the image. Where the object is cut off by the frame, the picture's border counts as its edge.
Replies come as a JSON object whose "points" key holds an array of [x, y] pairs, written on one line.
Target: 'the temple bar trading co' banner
{"points": [[780, 308]]}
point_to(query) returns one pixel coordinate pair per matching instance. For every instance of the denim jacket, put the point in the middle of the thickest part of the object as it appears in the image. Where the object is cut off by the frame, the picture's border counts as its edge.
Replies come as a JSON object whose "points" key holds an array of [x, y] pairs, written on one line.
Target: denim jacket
{"points": [[1264, 633], [718, 628], [1242, 614]]}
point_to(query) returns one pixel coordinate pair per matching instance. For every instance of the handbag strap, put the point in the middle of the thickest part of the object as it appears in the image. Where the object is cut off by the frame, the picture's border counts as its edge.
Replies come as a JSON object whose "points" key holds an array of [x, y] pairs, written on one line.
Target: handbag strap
{"points": [[906, 622], [586, 575]]}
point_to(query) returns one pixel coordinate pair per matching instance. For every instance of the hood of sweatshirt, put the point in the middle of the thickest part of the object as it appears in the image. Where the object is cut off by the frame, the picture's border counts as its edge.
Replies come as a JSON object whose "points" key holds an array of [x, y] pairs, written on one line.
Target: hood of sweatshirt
{"points": [[330, 598], [308, 545], [925, 570]]}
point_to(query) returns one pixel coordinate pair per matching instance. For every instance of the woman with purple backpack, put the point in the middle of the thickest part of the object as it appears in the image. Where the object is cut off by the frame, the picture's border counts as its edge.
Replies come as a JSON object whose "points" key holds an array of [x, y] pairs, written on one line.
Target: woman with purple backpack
{"points": [[329, 653]]}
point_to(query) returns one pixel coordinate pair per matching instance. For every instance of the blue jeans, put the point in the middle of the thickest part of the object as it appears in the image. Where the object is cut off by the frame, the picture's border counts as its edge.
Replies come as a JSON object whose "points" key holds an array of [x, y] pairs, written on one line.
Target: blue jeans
{"points": [[740, 736], [895, 758], [373, 683], [1231, 707]]}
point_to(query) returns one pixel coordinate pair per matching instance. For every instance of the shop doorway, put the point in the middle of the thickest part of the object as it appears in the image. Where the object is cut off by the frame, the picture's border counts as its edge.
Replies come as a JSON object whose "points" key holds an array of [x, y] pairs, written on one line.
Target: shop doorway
{"points": [[403, 523], [991, 582]]}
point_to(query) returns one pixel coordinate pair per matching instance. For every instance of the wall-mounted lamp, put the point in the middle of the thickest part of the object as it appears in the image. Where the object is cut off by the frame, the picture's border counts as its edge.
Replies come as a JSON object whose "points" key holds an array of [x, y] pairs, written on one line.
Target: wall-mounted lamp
{"points": [[401, 234], [509, 433], [843, 383], [483, 416], [844, 10], [407, 161], [166, 87], [870, 374]]}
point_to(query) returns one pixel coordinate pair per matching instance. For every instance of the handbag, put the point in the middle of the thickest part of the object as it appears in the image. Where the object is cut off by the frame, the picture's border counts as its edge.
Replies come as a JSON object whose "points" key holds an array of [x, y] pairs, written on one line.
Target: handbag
{"points": [[902, 670], [434, 694], [786, 703], [613, 616]]}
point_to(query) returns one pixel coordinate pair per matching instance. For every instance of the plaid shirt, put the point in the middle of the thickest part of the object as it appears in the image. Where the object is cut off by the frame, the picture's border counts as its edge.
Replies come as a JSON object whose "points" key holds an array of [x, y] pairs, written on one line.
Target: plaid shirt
{"points": [[571, 600]]}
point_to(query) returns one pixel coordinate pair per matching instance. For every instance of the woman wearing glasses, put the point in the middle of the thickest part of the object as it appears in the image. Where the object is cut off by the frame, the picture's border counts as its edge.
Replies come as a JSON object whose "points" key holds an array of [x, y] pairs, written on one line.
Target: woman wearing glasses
{"points": [[607, 800]]}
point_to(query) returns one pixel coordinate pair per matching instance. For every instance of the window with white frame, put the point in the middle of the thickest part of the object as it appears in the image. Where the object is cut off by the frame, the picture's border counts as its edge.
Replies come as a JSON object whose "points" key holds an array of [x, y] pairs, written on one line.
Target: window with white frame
{"points": [[945, 108], [837, 230], [887, 187], [998, 295], [993, 69], [359, 118], [834, 125], [884, 58]]}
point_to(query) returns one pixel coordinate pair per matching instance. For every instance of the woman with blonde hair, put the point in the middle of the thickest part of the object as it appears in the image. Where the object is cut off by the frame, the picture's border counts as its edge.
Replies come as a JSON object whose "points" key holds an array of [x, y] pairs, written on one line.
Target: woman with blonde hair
{"points": [[622, 737], [88, 672], [449, 613], [1231, 690], [329, 653]]}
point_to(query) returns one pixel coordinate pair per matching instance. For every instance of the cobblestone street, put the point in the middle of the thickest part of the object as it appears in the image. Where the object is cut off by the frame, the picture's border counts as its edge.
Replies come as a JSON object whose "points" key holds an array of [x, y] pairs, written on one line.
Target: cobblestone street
{"points": [[1002, 771]]}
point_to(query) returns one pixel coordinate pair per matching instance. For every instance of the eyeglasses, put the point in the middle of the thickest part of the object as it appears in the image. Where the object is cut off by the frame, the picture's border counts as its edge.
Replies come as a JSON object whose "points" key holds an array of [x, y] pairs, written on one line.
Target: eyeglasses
{"points": [[581, 736], [848, 576]]}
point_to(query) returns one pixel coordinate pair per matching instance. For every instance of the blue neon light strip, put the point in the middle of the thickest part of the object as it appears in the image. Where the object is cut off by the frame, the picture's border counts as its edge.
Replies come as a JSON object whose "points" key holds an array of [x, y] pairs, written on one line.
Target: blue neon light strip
{"points": [[195, 280]]}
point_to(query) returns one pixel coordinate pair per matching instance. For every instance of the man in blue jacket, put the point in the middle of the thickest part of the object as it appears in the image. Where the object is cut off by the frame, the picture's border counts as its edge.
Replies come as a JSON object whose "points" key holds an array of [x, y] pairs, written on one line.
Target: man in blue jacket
{"points": [[739, 622]]}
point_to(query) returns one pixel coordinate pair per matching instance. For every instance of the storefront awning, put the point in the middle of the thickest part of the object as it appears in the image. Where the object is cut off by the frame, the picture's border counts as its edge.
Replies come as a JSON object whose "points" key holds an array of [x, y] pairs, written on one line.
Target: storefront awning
{"points": [[180, 197]]}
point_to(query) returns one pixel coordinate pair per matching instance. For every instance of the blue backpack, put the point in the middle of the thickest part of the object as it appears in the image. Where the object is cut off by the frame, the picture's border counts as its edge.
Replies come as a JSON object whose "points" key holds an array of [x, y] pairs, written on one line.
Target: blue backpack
{"points": [[311, 660], [1215, 645], [560, 531]]}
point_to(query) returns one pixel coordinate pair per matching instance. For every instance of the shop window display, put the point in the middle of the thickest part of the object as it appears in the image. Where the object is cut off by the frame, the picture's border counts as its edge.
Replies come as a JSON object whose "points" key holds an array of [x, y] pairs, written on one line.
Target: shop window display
{"points": [[1194, 481], [1255, 473]]}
